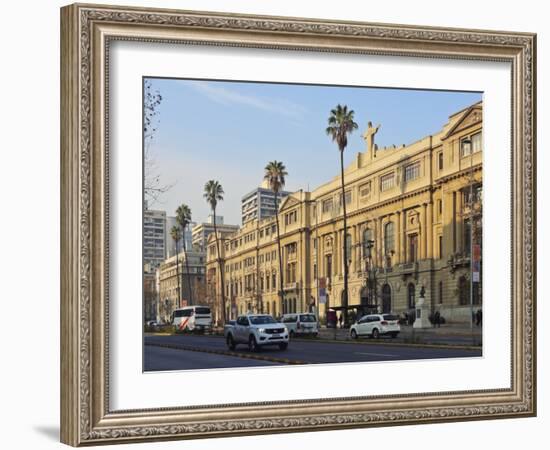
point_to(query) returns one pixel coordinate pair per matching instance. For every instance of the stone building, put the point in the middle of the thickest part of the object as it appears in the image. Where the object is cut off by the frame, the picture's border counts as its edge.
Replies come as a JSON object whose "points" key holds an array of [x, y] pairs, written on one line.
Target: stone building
{"points": [[192, 287], [413, 224]]}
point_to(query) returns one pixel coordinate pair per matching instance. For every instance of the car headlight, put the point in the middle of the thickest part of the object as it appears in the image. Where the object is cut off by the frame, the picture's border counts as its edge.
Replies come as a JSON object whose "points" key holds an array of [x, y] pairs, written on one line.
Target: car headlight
{"points": [[261, 330]]}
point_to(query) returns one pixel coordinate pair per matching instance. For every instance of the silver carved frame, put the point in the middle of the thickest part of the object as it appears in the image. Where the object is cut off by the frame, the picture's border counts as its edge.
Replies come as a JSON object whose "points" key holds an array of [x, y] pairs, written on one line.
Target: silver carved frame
{"points": [[86, 31]]}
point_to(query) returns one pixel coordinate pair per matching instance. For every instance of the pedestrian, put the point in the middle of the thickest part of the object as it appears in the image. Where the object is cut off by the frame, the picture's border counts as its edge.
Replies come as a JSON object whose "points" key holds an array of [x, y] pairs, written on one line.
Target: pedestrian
{"points": [[437, 319], [341, 319], [478, 317]]}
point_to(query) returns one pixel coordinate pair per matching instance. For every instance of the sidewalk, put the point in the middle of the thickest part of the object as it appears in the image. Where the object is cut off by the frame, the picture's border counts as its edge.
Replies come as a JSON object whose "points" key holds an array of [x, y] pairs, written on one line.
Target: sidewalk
{"points": [[447, 334]]}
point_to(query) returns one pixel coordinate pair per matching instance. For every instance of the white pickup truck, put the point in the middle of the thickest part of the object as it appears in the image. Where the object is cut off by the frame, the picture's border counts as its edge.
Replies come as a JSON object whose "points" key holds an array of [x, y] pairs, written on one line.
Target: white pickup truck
{"points": [[256, 331]]}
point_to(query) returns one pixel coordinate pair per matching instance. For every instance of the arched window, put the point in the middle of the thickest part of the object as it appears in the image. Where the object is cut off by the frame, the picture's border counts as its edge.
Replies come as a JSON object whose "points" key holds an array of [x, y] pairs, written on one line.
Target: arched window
{"points": [[411, 295], [463, 290], [389, 246]]}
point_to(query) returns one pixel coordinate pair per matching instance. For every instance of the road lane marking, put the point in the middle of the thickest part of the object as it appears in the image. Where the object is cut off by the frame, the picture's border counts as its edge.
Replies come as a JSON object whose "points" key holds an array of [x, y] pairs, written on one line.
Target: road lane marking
{"points": [[376, 354]]}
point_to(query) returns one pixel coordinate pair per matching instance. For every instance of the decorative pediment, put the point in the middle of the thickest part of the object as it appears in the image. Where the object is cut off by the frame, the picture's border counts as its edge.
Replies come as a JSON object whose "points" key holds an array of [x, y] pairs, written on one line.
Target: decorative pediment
{"points": [[288, 202], [471, 116]]}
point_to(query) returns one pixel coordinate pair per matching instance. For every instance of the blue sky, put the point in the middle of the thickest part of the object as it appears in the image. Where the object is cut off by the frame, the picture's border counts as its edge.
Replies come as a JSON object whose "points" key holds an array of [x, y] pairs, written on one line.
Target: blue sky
{"points": [[229, 131]]}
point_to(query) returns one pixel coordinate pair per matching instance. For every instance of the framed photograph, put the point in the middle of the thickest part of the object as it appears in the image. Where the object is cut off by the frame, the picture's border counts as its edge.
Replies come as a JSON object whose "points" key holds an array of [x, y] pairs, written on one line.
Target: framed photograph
{"points": [[276, 224]]}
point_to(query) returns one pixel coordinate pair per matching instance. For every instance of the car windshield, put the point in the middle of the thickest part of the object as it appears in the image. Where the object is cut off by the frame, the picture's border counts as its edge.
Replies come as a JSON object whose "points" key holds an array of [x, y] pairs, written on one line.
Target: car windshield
{"points": [[261, 320], [390, 317], [307, 318]]}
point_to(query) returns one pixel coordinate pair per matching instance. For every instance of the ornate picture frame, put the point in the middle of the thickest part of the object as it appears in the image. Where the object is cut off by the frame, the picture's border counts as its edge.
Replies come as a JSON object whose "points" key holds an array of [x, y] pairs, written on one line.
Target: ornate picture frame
{"points": [[87, 32]]}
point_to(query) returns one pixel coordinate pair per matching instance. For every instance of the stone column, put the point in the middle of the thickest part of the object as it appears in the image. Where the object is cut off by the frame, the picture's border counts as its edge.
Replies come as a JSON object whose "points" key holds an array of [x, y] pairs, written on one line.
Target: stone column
{"points": [[397, 258], [335, 254], [459, 223], [423, 231], [404, 236], [430, 230], [380, 261]]}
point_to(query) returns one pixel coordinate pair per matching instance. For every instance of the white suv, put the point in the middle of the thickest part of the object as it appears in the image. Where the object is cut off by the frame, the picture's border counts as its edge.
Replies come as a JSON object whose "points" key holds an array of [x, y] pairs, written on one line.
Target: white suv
{"points": [[256, 330], [376, 325], [301, 323]]}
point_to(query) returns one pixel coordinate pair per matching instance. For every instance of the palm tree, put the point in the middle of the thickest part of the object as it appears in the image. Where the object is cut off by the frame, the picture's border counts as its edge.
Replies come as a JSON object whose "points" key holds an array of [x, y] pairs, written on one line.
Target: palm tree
{"points": [[183, 218], [175, 232], [213, 193], [340, 124], [275, 173]]}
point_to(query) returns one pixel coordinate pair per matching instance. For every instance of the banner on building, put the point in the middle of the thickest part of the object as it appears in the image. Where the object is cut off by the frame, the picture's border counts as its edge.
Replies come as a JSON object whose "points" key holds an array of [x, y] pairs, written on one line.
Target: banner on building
{"points": [[322, 296]]}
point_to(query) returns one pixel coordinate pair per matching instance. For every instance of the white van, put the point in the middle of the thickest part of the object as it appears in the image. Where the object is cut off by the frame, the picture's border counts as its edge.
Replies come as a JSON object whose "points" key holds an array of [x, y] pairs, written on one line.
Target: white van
{"points": [[192, 318], [301, 323]]}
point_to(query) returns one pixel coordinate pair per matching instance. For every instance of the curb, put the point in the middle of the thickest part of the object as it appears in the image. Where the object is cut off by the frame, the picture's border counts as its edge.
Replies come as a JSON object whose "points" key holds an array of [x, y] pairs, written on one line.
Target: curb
{"points": [[394, 344], [227, 353]]}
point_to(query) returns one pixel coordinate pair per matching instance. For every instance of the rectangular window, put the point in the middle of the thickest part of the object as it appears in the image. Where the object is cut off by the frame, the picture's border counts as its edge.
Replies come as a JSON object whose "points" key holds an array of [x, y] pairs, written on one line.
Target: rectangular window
{"points": [[465, 146], [440, 160], [327, 205], [412, 171], [387, 181], [348, 198], [364, 190], [328, 264], [476, 142], [440, 207], [413, 247], [440, 247]]}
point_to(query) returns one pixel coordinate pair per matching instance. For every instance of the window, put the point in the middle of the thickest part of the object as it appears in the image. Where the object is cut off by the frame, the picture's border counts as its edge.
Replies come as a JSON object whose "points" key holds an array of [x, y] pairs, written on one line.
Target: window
{"points": [[327, 205], [348, 247], [412, 171], [367, 236], [440, 292], [328, 265], [440, 207], [465, 146], [387, 181], [440, 247], [364, 190], [273, 281], [440, 160], [389, 238], [411, 296], [413, 247], [476, 142], [348, 198]]}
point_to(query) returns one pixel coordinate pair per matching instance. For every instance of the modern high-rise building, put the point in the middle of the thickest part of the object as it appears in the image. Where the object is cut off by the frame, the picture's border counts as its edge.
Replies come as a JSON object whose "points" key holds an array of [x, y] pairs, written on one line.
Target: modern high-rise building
{"points": [[201, 231], [260, 203], [171, 244], [154, 239]]}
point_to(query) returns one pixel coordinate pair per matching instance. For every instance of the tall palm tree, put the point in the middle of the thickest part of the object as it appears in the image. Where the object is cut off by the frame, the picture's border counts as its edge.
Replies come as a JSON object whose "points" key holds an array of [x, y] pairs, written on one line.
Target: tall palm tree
{"points": [[340, 124], [213, 193], [275, 173], [175, 232], [183, 218]]}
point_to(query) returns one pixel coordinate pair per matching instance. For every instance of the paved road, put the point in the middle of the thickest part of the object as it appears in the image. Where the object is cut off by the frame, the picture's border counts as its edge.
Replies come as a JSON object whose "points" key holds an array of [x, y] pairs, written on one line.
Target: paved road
{"points": [[205, 352], [159, 358]]}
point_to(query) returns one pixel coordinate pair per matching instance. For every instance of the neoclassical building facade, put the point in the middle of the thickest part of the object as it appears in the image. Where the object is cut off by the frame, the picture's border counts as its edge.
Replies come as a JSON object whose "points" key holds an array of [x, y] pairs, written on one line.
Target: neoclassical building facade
{"points": [[414, 224]]}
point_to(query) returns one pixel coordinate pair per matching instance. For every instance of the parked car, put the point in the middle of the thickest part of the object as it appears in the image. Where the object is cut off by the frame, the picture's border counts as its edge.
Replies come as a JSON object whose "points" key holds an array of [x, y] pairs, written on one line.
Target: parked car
{"points": [[256, 331], [301, 323], [376, 325]]}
